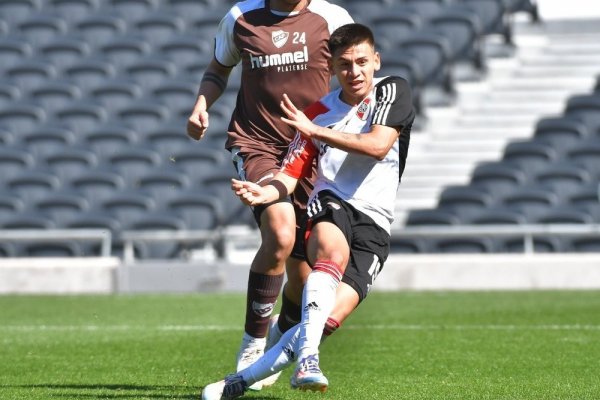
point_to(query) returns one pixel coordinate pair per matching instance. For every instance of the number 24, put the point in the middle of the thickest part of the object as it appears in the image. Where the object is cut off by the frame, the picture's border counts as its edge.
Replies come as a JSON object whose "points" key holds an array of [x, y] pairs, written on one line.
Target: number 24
{"points": [[299, 37]]}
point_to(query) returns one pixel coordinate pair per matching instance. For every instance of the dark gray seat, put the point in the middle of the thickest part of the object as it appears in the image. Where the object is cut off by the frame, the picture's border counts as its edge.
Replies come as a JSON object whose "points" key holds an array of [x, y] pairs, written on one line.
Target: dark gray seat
{"points": [[163, 184], [122, 51], [9, 93], [64, 51], [530, 201], [28, 73], [586, 198], [151, 70], [22, 116], [133, 162], [158, 221], [128, 206], [464, 201], [47, 139], [159, 26], [82, 115], [108, 139], [116, 94], [586, 154], [529, 156], [32, 185], [144, 115], [54, 95], [497, 178], [563, 177], [70, 162], [587, 109], [197, 208], [98, 184], [561, 132], [100, 28], [73, 10], [61, 206], [41, 28], [10, 204], [464, 245], [90, 72], [14, 160], [424, 217]]}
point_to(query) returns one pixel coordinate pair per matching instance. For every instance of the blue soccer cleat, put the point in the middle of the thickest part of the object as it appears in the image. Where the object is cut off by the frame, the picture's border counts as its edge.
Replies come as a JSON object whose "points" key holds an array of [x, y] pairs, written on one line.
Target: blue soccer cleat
{"points": [[308, 375]]}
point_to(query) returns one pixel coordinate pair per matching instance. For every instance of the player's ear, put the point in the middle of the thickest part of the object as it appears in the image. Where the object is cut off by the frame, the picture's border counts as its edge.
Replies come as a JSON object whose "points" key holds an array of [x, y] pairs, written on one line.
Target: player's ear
{"points": [[377, 61]]}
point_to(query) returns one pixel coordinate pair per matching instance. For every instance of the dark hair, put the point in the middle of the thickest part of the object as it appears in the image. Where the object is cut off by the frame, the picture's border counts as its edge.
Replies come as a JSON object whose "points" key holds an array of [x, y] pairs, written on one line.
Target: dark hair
{"points": [[350, 35]]}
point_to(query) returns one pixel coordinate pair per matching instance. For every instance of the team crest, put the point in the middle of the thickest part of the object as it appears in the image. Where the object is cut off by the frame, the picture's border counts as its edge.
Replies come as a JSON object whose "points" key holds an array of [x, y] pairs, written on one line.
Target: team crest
{"points": [[279, 38], [363, 109]]}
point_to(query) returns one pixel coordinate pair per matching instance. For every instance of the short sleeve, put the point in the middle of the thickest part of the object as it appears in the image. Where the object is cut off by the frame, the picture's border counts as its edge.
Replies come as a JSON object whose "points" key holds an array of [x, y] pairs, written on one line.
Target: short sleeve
{"points": [[394, 107], [226, 53]]}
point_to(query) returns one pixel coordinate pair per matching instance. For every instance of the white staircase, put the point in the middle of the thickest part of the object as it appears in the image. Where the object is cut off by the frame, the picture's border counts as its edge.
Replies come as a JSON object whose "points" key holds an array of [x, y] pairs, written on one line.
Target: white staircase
{"points": [[551, 62]]}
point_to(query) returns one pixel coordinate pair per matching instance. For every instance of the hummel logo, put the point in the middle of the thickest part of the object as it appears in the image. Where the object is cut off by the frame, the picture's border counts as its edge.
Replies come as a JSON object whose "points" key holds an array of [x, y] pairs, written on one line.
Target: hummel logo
{"points": [[311, 306]]}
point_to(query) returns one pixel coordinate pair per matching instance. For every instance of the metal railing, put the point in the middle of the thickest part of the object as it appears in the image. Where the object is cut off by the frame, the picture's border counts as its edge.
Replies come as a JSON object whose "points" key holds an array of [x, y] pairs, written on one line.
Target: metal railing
{"points": [[104, 236]]}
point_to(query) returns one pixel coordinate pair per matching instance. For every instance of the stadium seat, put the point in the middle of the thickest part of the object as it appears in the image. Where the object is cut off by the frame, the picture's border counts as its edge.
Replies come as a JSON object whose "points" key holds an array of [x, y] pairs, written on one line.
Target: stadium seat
{"points": [[186, 49], [159, 221], [464, 245], [13, 160], [73, 10], [64, 51], [82, 115], [47, 139], [586, 198], [7, 250], [432, 52], [491, 15], [41, 248], [12, 50], [562, 178], [115, 94], [586, 154], [28, 73], [426, 9], [200, 162], [133, 9], [564, 215], [27, 220], [464, 201], [497, 216], [407, 246], [497, 178], [529, 6], [100, 28], [133, 162], [204, 25], [32, 185], [561, 132], [7, 137], [397, 64], [584, 244], [22, 116], [19, 10], [54, 95], [90, 72], [198, 209], [109, 138], [61, 206], [464, 34], [123, 51], [128, 206], [177, 93], [587, 109], [10, 204], [530, 201], [41, 28], [152, 70], [163, 184], [144, 115], [190, 9], [168, 139], [95, 219], [390, 28], [541, 244], [98, 184], [159, 27], [218, 183], [529, 156], [69, 162], [9, 93], [424, 217]]}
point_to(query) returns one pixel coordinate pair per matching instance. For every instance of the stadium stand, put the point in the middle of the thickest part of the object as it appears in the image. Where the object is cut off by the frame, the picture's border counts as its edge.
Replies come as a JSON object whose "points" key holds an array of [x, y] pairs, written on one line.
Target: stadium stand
{"points": [[94, 96]]}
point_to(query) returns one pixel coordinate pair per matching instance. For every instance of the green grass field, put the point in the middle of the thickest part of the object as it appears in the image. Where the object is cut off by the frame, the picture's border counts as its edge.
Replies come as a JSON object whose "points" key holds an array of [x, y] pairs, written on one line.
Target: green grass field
{"points": [[412, 345]]}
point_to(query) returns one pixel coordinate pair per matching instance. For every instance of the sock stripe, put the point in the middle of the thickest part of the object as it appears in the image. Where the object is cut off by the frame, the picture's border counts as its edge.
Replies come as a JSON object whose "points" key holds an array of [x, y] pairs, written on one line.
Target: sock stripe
{"points": [[329, 267], [330, 326]]}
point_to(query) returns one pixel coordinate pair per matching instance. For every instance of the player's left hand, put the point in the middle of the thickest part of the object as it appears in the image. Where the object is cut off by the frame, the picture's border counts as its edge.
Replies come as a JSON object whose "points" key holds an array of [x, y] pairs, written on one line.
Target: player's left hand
{"points": [[249, 193], [296, 118]]}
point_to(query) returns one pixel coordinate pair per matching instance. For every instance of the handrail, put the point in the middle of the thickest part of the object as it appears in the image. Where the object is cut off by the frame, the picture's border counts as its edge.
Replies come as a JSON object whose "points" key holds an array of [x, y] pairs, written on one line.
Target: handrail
{"points": [[57, 235]]}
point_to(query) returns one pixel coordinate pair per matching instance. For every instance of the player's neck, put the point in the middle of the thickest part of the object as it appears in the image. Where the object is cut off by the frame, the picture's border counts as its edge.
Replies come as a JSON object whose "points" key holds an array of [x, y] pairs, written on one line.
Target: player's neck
{"points": [[288, 6]]}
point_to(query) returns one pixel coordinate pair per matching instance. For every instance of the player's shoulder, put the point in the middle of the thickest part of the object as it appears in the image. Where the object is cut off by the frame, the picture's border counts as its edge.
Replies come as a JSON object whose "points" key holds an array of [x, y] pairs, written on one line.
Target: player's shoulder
{"points": [[317, 108], [330, 11], [391, 86], [243, 7]]}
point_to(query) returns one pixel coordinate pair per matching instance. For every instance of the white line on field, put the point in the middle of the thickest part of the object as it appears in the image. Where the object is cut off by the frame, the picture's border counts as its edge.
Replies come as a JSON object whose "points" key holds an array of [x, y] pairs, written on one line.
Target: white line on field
{"points": [[200, 328]]}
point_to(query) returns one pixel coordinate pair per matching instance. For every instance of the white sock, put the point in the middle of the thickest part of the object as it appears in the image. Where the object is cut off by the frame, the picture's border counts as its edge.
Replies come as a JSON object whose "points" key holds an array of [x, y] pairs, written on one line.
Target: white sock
{"points": [[318, 300], [276, 359]]}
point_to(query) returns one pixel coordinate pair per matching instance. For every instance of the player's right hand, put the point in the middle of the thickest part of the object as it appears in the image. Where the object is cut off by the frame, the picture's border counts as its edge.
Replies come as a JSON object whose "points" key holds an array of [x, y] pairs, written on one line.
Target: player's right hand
{"points": [[198, 121], [249, 193]]}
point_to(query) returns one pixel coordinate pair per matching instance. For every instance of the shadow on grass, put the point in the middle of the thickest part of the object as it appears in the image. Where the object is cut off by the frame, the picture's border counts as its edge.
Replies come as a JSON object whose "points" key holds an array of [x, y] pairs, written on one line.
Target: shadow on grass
{"points": [[116, 391]]}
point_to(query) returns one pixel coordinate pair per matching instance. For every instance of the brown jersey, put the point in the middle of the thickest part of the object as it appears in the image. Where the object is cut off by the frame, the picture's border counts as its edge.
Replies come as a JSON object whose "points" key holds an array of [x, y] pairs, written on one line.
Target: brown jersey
{"points": [[280, 53]]}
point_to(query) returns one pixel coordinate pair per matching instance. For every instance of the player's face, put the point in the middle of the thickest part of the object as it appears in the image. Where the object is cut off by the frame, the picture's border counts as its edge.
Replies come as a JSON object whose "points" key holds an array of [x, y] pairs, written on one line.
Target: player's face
{"points": [[354, 68]]}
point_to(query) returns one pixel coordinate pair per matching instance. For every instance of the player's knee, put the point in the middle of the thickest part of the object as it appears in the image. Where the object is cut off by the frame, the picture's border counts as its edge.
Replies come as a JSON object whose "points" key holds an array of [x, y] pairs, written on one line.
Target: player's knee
{"points": [[279, 243]]}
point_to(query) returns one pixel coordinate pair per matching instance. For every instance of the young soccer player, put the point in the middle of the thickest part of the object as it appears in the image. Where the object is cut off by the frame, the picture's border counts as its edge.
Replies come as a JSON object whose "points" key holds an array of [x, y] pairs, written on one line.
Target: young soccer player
{"points": [[359, 134], [282, 48]]}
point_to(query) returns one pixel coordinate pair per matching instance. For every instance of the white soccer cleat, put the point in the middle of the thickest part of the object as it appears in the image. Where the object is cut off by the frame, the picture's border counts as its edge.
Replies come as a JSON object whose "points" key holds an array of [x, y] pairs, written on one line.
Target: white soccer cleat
{"points": [[251, 350], [308, 375], [232, 387], [272, 339]]}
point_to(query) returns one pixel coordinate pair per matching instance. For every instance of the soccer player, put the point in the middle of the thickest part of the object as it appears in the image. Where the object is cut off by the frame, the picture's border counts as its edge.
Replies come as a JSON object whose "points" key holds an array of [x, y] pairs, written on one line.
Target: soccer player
{"points": [[359, 134], [282, 46]]}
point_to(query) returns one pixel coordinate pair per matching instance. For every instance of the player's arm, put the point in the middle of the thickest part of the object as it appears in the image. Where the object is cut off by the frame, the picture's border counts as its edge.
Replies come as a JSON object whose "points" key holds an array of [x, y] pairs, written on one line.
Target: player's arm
{"points": [[253, 194], [213, 84], [376, 143]]}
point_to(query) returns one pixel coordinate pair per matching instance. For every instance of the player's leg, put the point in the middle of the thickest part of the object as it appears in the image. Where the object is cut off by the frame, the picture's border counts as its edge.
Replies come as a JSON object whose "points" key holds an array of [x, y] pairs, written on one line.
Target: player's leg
{"points": [[328, 252], [277, 224]]}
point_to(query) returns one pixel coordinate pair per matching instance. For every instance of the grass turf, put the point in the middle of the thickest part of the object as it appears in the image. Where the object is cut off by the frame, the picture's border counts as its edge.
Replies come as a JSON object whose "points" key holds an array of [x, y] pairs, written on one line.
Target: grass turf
{"points": [[410, 345]]}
